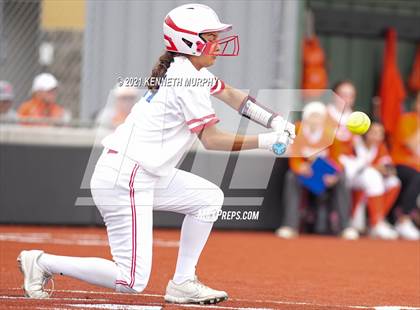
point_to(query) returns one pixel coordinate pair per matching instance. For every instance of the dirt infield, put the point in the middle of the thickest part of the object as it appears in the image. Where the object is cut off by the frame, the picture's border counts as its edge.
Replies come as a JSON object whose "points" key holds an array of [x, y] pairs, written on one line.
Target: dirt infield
{"points": [[257, 269]]}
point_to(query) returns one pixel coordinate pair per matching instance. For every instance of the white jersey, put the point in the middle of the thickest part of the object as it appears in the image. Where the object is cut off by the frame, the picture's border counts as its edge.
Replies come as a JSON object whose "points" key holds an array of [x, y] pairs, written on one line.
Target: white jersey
{"points": [[163, 125]]}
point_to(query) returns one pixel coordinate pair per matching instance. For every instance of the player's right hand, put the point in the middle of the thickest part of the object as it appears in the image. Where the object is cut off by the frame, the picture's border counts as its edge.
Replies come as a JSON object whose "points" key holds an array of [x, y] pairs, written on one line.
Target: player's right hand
{"points": [[267, 140]]}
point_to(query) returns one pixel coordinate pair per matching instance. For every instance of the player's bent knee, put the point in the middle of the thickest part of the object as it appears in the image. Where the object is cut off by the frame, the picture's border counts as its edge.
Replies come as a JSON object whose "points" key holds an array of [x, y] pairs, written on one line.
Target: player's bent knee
{"points": [[218, 198], [212, 206], [213, 198], [392, 181], [374, 182]]}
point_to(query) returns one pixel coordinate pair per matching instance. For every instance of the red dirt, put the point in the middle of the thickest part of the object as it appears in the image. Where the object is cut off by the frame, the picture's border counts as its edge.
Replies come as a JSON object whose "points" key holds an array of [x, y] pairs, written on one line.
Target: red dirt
{"points": [[256, 269]]}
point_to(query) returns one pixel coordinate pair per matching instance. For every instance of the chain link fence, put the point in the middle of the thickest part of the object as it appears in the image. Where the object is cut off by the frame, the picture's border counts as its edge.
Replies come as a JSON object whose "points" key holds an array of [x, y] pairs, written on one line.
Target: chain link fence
{"points": [[42, 36]]}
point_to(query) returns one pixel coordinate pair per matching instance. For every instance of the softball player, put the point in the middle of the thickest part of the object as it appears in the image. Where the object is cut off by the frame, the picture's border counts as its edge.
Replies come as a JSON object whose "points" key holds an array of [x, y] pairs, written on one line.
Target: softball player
{"points": [[136, 172]]}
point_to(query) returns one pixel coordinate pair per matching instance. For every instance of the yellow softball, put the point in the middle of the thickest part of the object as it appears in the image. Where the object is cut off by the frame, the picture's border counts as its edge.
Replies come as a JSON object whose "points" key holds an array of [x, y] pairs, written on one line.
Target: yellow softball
{"points": [[358, 123]]}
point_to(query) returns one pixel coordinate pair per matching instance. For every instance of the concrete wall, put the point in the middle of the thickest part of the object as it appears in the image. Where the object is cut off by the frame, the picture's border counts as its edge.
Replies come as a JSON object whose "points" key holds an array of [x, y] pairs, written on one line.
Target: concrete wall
{"points": [[38, 190]]}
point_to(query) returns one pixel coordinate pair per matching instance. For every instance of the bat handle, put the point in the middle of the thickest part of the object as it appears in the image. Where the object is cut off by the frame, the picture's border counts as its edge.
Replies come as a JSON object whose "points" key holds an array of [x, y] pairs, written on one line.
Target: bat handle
{"points": [[280, 147]]}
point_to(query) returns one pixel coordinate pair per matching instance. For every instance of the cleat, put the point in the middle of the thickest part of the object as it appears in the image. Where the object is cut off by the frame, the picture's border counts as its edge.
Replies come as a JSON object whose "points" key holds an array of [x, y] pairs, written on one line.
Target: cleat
{"points": [[407, 230], [34, 277], [193, 292], [383, 230], [350, 233], [286, 232]]}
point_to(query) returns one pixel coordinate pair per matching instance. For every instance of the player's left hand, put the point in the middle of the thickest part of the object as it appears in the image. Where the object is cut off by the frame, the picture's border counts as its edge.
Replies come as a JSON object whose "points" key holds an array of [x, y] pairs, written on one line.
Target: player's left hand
{"points": [[277, 142], [267, 140], [279, 124]]}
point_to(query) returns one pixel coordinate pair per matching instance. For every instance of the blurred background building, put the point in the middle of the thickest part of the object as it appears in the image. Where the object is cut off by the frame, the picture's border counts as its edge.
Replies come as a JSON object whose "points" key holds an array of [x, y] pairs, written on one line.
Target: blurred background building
{"points": [[87, 45], [38, 36]]}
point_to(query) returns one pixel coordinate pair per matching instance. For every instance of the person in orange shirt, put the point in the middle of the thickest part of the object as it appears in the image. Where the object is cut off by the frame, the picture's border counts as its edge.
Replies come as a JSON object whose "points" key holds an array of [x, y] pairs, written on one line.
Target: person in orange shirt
{"points": [[338, 112], [42, 108], [405, 143], [376, 180], [312, 141], [361, 176]]}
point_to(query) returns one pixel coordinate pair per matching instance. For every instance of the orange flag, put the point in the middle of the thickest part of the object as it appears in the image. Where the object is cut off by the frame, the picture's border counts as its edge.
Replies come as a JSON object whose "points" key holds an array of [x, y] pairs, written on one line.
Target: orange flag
{"points": [[314, 77], [392, 92]]}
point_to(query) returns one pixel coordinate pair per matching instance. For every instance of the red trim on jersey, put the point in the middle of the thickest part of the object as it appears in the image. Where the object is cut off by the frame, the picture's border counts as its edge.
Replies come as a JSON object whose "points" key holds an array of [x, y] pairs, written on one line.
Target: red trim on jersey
{"points": [[171, 24], [216, 89], [199, 128], [194, 120], [133, 226], [171, 46]]}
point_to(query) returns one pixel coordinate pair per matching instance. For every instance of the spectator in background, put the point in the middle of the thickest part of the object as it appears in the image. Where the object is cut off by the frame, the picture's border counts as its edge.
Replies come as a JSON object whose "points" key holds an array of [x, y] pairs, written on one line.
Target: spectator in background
{"points": [[6, 102], [376, 180], [121, 100], [406, 155], [43, 104], [338, 112], [359, 173], [314, 135]]}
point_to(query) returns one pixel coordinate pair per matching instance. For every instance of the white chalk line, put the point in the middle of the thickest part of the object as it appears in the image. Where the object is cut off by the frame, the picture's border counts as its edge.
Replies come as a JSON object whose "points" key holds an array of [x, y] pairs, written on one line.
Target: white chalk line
{"points": [[135, 307], [267, 301], [53, 299], [85, 305], [119, 306], [115, 307], [73, 239]]}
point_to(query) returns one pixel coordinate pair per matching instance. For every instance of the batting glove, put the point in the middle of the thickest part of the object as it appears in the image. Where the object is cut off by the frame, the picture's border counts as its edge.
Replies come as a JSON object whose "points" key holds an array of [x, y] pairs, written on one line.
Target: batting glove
{"points": [[279, 124], [267, 140]]}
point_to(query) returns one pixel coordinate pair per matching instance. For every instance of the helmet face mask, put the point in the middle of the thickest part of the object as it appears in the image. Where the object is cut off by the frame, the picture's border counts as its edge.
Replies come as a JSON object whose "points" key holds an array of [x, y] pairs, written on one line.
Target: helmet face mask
{"points": [[184, 26], [227, 46]]}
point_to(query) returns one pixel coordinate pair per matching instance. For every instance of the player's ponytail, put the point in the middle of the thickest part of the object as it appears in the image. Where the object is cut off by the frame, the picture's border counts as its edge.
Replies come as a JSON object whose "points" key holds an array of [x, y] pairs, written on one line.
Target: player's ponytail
{"points": [[159, 70]]}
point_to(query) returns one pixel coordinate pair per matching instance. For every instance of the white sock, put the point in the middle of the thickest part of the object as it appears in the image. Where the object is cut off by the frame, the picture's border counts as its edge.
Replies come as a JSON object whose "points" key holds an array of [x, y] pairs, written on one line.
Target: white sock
{"points": [[194, 235], [97, 271]]}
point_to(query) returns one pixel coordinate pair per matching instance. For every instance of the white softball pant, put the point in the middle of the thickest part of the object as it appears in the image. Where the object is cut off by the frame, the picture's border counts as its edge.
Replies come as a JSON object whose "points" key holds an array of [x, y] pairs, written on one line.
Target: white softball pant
{"points": [[373, 182], [362, 177], [126, 196]]}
